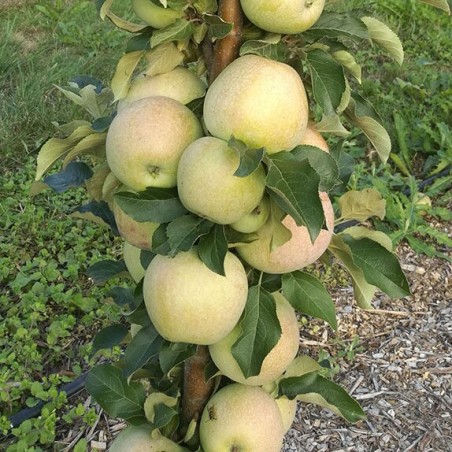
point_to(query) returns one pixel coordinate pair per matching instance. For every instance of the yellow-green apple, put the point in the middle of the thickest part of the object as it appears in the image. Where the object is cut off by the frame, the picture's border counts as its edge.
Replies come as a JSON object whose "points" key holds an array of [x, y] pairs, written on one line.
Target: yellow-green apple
{"points": [[131, 255], [154, 15], [296, 253], [259, 101], [275, 362], [180, 84], [283, 16], [138, 234], [207, 185], [254, 220], [140, 439], [187, 302], [146, 139], [241, 418], [313, 137]]}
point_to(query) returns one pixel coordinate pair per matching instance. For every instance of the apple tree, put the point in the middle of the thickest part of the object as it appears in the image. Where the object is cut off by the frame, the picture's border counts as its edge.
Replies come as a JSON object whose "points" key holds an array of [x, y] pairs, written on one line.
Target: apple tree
{"points": [[207, 155]]}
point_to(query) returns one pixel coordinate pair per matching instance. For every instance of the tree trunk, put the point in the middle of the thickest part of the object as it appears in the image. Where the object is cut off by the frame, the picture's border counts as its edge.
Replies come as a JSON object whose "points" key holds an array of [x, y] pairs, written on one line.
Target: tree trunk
{"points": [[196, 390]]}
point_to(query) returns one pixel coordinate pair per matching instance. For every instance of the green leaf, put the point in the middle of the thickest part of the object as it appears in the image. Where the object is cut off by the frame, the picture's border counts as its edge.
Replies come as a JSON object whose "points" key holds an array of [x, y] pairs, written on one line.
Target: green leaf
{"points": [[122, 77], [102, 271], [163, 415], [268, 49], [125, 297], [112, 392], [212, 248], [145, 345], [218, 28], [173, 353], [328, 81], [322, 162], [363, 291], [362, 116], [183, 232], [205, 6], [332, 124], [294, 185], [441, 4], [380, 267], [347, 60], [360, 232], [93, 144], [236, 238], [269, 282], [109, 337], [385, 38], [160, 205], [180, 30], [260, 331], [160, 241], [163, 58], [334, 395], [88, 97], [250, 159], [97, 211], [360, 205], [334, 25], [74, 175], [55, 148], [308, 295]]}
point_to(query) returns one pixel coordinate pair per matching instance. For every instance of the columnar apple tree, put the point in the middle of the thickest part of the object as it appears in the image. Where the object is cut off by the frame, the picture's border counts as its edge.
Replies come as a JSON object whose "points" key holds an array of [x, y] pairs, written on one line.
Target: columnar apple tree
{"points": [[206, 155]]}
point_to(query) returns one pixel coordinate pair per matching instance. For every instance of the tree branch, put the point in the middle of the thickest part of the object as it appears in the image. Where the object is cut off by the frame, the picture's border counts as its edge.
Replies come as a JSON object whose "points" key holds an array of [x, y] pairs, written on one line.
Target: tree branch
{"points": [[227, 49]]}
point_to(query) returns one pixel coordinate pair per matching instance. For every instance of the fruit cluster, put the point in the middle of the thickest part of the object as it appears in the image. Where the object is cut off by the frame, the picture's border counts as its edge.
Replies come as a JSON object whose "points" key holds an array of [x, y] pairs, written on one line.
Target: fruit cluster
{"points": [[156, 141]]}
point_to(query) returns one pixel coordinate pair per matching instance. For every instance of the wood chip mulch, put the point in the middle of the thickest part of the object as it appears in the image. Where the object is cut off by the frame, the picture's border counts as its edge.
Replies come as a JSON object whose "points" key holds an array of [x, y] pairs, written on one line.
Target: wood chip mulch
{"points": [[403, 379]]}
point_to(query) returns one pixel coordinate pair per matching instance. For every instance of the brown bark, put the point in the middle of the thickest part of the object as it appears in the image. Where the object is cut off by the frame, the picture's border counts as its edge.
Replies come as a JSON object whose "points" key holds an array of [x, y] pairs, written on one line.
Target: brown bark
{"points": [[197, 391], [227, 49]]}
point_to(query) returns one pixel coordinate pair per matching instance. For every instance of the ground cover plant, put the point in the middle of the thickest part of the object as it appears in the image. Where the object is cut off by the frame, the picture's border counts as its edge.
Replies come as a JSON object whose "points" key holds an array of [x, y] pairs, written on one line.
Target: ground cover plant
{"points": [[25, 284]]}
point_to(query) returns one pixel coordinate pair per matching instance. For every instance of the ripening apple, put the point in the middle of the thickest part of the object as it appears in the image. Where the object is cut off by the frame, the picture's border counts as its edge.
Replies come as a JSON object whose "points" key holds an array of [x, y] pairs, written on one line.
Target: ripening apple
{"points": [[132, 258], [241, 418], [259, 101], [254, 220], [296, 253], [137, 233], [275, 362], [140, 439], [154, 15], [180, 84], [313, 137], [145, 141], [207, 185], [188, 302], [283, 16]]}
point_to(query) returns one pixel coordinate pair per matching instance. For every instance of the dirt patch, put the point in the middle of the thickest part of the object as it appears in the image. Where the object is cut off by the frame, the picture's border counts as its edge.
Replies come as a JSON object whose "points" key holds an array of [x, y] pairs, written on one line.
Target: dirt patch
{"points": [[28, 40], [9, 4]]}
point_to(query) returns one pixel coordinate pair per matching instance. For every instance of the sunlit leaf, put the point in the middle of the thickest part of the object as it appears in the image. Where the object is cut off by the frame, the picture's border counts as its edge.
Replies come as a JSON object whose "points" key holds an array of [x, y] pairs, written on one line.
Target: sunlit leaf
{"points": [[125, 68], [180, 30], [362, 204], [385, 38]]}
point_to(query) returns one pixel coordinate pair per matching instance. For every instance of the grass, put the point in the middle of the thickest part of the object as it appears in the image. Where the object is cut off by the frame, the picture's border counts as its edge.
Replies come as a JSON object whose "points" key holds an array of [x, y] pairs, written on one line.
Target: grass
{"points": [[49, 309]]}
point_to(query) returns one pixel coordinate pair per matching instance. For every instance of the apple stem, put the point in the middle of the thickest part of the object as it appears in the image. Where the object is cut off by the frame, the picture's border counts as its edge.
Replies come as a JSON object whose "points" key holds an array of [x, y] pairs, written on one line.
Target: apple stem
{"points": [[227, 49]]}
